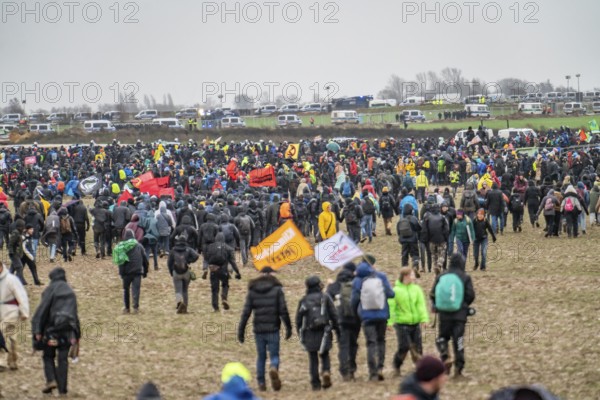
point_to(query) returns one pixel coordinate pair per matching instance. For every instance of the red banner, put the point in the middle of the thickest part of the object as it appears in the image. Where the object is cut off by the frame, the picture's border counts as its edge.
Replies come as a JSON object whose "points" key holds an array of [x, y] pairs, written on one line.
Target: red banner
{"points": [[166, 192], [262, 177], [150, 187], [124, 197], [30, 160], [163, 182], [137, 182]]}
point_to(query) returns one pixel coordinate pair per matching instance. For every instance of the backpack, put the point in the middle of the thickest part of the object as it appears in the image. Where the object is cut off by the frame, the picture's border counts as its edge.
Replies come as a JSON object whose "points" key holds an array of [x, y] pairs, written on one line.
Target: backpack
{"points": [[65, 226], [351, 216], [285, 210], [217, 257], [368, 206], [449, 293], [209, 234], [180, 264], [345, 295], [227, 233], [385, 203], [316, 315], [244, 225], [4, 218], [404, 228], [347, 189], [470, 202], [569, 206], [372, 294], [549, 205], [517, 205]]}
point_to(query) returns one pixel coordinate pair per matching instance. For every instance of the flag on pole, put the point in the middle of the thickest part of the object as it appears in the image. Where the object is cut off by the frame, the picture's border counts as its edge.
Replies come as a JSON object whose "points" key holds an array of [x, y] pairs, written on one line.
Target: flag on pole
{"points": [[125, 196], [292, 151], [284, 246], [137, 182], [336, 251]]}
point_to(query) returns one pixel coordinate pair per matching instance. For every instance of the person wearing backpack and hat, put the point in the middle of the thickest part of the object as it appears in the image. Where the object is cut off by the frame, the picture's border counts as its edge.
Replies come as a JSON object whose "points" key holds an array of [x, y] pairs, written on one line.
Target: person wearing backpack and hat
{"points": [[451, 295], [408, 229], [180, 258], [570, 207], [352, 214], [370, 291], [408, 310], [349, 323], [219, 255], [387, 207], [132, 270], [547, 206], [425, 383], [316, 318], [68, 234]]}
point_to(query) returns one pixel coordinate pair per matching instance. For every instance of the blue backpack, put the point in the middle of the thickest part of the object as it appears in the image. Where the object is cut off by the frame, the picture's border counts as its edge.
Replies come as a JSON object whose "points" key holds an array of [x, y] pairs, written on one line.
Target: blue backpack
{"points": [[449, 293]]}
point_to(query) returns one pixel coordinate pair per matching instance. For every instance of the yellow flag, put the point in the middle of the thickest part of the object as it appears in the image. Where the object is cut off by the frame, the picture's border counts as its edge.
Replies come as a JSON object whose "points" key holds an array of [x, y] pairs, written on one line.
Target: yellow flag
{"points": [[284, 246], [292, 151]]}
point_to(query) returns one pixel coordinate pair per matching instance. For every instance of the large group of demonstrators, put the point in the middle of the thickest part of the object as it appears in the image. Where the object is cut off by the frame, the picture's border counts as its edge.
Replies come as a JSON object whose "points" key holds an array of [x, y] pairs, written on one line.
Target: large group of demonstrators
{"points": [[207, 200]]}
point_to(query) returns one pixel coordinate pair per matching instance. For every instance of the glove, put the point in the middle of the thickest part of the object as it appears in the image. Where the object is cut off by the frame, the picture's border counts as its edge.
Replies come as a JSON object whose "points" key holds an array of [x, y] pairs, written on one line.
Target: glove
{"points": [[241, 337], [204, 274], [288, 334], [238, 276]]}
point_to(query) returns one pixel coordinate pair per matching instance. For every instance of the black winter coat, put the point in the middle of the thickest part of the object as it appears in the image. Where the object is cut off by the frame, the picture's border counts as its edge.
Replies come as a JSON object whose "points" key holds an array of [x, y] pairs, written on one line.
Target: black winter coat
{"points": [[313, 338], [469, 295], [335, 289], [266, 299], [137, 264], [494, 202]]}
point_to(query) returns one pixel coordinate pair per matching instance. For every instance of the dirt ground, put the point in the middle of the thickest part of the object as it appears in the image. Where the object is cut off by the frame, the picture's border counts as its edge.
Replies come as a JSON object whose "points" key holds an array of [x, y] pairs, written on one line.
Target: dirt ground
{"points": [[537, 320]]}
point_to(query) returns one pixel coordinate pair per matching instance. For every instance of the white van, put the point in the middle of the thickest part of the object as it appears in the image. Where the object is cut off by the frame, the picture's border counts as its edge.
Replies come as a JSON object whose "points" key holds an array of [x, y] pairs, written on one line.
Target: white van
{"points": [[462, 134], [8, 127], [413, 101], [41, 128], [591, 95], [286, 120], [312, 107], [268, 109], [146, 114], [101, 125], [341, 117], [233, 122], [58, 118], [513, 132], [289, 108], [574, 108], [171, 123], [477, 110], [11, 118], [570, 96], [531, 108], [596, 107], [413, 116], [382, 103]]}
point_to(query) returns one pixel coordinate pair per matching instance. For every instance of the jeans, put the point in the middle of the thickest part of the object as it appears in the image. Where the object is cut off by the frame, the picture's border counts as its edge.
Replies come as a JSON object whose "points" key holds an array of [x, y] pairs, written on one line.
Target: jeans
{"points": [[348, 347], [34, 244], [154, 248], [53, 251], [268, 341], [217, 278], [463, 248], [495, 223], [313, 366], [181, 283], [366, 226], [58, 373], [582, 221], [549, 225], [412, 250], [99, 243], [483, 245], [375, 337], [135, 283], [408, 337]]}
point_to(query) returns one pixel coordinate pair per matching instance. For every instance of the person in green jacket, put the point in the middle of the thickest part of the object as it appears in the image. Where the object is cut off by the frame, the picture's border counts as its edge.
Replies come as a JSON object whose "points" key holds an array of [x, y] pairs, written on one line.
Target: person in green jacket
{"points": [[464, 233], [408, 311]]}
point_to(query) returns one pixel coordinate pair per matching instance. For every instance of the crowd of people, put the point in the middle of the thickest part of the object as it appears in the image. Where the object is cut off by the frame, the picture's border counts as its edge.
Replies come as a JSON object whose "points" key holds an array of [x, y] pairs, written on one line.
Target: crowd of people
{"points": [[442, 196]]}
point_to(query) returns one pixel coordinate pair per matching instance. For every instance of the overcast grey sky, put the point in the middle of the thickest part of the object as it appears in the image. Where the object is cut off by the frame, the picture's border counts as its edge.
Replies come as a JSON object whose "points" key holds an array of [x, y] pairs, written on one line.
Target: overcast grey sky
{"points": [[193, 48]]}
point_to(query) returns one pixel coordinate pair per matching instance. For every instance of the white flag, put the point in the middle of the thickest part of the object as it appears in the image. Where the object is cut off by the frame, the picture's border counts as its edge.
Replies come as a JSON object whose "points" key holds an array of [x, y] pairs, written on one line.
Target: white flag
{"points": [[336, 251]]}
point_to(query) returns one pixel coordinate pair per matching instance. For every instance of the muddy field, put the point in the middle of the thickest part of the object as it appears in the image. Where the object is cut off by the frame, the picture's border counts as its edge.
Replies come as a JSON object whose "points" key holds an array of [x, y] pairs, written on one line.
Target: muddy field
{"points": [[537, 320]]}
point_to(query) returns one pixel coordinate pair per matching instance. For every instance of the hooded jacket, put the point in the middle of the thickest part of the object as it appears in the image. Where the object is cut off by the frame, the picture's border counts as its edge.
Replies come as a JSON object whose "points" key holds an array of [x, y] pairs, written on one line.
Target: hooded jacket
{"points": [[133, 225], [218, 251], [334, 291], [415, 226], [408, 199], [138, 262], [186, 228], [456, 266], [235, 389], [363, 271], [121, 215], [13, 298], [181, 247], [410, 385], [56, 314], [312, 338], [408, 307], [578, 205], [422, 181], [327, 222], [266, 300]]}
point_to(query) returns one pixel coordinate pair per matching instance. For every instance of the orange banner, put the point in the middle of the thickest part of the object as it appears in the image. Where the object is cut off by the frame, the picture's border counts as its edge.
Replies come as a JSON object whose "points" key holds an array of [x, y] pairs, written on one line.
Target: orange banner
{"points": [[284, 246]]}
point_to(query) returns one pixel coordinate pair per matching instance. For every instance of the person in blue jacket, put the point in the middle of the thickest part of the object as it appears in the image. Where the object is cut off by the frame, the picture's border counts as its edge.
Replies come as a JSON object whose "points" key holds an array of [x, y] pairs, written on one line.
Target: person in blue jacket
{"points": [[370, 291], [235, 378]]}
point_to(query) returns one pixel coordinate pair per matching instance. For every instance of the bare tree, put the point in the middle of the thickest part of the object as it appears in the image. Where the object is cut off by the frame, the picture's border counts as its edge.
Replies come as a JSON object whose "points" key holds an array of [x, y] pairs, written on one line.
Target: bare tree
{"points": [[243, 102], [394, 89], [14, 106]]}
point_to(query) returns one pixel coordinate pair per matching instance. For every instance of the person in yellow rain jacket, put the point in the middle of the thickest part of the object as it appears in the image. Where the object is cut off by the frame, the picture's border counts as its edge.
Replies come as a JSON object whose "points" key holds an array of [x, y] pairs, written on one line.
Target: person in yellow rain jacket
{"points": [[327, 222], [422, 185], [410, 167], [487, 179], [400, 168]]}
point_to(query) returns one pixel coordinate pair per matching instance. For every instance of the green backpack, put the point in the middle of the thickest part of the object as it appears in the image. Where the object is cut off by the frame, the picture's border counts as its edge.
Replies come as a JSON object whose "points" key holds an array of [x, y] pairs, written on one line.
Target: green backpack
{"points": [[449, 293]]}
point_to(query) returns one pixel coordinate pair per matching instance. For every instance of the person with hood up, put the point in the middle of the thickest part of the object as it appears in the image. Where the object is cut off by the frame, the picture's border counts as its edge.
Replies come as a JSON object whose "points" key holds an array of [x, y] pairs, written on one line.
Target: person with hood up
{"points": [[101, 227], [408, 183], [408, 311], [407, 229], [316, 318], [407, 198], [219, 256], [55, 328], [352, 214], [28, 254], [68, 235], [533, 196], [121, 217], [5, 221], [82, 222], [422, 186], [134, 226], [186, 227], [14, 308], [180, 258], [132, 270], [349, 323], [272, 215], [206, 236], [547, 206], [327, 222], [436, 230], [267, 300], [15, 250], [571, 207], [594, 203], [461, 231], [426, 382], [453, 310], [51, 234], [235, 378], [370, 291], [164, 223]]}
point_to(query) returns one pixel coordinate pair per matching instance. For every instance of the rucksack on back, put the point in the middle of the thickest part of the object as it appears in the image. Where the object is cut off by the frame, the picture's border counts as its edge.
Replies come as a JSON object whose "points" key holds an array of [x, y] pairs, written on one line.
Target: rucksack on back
{"points": [[470, 202], [65, 226], [351, 216], [344, 299], [449, 293], [372, 294], [347, 189], [180, 262], [316, 313], [218, 257], [385, 203], [549, 205], [368, 206], [569, 206], [404, 228]]}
